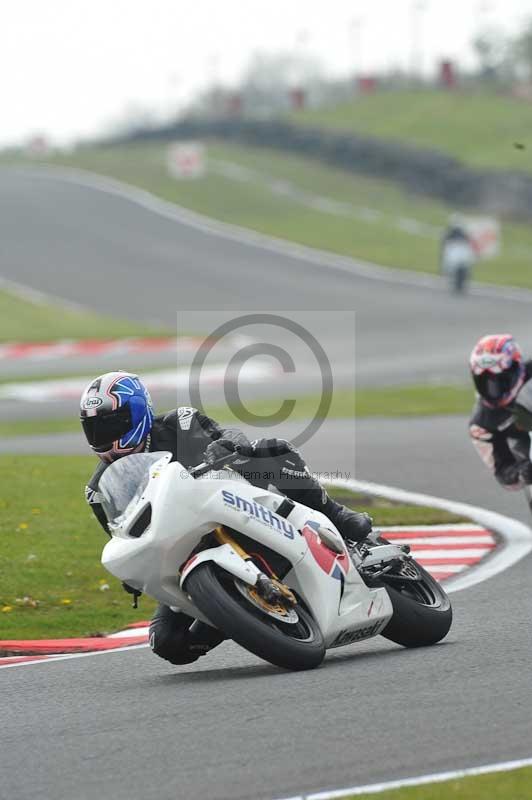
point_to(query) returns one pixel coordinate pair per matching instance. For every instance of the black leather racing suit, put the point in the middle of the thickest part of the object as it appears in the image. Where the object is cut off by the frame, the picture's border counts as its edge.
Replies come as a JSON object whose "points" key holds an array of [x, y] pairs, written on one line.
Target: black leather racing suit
{"points": [[186, 433], [502, 447]]}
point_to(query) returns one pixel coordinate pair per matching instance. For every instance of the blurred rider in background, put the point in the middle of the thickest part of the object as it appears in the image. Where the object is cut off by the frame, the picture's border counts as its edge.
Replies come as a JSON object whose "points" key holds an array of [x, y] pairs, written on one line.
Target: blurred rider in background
{"points": [[457, 255], [499, 372], [118, 419]]}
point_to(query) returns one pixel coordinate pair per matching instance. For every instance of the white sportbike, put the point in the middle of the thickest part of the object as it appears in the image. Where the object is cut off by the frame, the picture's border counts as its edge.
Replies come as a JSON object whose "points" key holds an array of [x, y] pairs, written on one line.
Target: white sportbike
{"points": [[271, 574]]}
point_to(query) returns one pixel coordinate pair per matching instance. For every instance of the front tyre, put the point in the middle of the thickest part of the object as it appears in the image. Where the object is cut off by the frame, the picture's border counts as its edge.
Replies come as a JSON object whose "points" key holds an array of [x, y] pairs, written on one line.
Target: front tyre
{"points": [[422, 613], [292, 646]]}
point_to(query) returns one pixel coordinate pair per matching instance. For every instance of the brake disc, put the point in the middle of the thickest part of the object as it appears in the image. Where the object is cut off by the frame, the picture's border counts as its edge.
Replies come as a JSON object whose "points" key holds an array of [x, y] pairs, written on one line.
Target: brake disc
{"points": [[276, 610]]}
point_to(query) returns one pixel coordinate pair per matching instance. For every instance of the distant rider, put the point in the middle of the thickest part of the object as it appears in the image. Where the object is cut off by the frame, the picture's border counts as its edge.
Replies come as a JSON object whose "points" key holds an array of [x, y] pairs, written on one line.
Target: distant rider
{"points": [[457, 249], [499, 372], [117, 418]]}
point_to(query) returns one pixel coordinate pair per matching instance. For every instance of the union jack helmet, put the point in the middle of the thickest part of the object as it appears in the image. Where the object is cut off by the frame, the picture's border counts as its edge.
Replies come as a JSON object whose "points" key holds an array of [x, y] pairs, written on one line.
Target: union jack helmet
{"points": [[116, 415], [497, 369]]}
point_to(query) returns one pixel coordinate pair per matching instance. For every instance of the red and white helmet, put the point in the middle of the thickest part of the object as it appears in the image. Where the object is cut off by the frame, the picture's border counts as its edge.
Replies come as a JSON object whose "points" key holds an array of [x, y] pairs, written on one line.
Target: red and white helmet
{"points": [[497, 368]]}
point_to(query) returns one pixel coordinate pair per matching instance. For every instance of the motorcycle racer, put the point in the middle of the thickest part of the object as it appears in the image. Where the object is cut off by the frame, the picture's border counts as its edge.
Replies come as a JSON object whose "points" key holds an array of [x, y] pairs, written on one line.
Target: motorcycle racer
{"points": [[499, 372], [117, 418]]}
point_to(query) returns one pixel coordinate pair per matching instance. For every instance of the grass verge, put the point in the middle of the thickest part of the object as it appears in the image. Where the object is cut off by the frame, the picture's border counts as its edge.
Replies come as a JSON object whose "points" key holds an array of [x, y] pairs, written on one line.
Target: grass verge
{"points": [[513, 785], [39, 427], [385, 512], [25, 321], [394, 401], [386, 238], [479, 128], [51, 581]]}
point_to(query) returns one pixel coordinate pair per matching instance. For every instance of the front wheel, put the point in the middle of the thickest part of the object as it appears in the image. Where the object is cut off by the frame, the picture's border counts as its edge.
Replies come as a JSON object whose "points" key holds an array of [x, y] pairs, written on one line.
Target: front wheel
{"points": [[230, 606], [422, 613]]}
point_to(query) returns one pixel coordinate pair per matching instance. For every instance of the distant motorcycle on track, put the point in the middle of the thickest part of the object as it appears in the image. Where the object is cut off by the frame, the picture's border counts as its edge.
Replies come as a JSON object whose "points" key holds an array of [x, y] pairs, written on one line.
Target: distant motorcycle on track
{"points": [[271, 574], [457, 258]]}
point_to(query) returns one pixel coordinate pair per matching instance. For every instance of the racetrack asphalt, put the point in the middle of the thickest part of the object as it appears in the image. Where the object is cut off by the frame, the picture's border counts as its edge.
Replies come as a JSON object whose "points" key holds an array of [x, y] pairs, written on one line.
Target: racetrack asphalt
{"points": [[129, 725], [112, 255]]}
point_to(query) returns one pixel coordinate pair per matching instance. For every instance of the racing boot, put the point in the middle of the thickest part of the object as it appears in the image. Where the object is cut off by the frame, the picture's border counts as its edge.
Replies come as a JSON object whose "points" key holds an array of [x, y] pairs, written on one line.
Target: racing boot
{"points": [[353, 526]]}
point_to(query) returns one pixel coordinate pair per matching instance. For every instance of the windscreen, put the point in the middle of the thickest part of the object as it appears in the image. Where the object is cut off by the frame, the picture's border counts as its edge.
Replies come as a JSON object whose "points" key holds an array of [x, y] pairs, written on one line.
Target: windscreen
{"points": [[123, 483]]}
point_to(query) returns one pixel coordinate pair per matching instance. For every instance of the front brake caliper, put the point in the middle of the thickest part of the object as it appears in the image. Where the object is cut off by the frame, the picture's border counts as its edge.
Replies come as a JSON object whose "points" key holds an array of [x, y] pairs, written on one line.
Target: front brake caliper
{"points": [[273, 591]]}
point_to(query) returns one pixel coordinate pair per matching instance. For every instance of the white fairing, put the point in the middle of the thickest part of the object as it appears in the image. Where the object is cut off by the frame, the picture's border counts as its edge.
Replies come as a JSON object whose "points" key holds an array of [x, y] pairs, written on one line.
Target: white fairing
{"points": [[185, 509], [457, 254]]}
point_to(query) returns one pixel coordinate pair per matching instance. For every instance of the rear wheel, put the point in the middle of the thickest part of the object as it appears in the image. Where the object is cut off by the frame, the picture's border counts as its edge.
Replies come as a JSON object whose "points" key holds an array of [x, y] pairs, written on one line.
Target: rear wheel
{"points": [[292, 641], [460, 279], [422, 613]]}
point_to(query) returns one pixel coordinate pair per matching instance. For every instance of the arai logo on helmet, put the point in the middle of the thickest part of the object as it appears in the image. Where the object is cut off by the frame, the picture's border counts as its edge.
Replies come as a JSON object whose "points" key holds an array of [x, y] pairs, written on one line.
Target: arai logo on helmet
{"points": [[92, 402]]}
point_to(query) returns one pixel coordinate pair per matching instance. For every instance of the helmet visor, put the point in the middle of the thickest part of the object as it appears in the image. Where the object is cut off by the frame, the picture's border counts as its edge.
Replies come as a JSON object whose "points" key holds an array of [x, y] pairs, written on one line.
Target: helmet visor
{"points": [[495, 387], [101, 431]]}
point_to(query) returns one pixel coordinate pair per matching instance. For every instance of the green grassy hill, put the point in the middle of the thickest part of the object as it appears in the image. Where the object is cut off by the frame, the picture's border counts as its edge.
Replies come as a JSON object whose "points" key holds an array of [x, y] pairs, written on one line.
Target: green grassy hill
{"points": [[480, 129], [304, 201], [26, 320]]}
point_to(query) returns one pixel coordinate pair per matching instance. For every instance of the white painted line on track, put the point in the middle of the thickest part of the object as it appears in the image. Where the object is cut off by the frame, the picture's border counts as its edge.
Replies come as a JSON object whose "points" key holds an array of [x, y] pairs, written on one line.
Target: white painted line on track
{"points": [[516, 536], [209, 226], [420, 780], [70, 656], [128, 631], [38, 297]]}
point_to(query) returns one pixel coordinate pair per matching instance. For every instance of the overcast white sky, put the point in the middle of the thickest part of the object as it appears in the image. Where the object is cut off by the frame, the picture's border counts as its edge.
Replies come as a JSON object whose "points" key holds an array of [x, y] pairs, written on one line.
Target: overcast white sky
{"points": [[69, 67]]}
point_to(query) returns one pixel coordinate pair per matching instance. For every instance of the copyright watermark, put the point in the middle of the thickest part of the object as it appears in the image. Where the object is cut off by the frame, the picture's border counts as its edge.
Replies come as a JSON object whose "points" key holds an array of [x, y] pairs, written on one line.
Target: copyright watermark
{"points": [[273, 373], [258, 350]]}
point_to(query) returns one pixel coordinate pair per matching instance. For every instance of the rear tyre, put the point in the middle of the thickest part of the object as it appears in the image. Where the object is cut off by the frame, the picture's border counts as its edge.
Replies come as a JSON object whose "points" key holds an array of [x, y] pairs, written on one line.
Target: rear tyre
{"points": [[460, 279], [292, 646], [422, 613]]}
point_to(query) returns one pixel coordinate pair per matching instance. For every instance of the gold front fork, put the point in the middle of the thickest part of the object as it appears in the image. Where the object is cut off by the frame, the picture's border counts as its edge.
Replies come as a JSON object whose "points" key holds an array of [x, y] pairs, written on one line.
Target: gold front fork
{"points": [[223, 536]]}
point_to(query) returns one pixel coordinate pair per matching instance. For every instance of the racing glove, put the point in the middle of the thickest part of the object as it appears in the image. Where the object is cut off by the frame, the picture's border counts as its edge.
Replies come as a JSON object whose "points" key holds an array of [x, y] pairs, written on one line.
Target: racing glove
{"points": [[230, 441]]}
